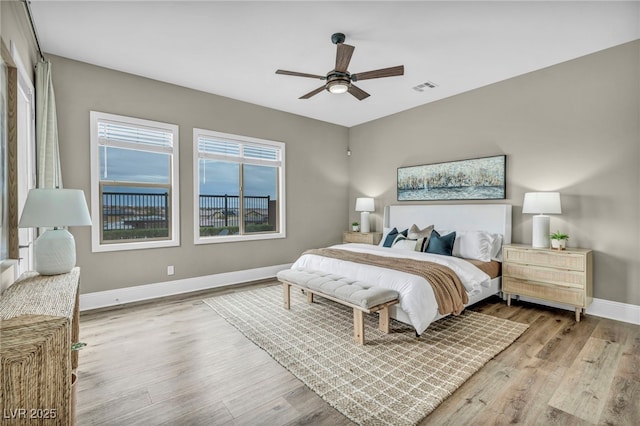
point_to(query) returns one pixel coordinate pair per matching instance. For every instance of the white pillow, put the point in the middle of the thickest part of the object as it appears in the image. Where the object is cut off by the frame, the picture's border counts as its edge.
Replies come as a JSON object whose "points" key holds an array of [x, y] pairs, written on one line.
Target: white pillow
{"points": [[478, 245], [403, 243], [496, 248]]}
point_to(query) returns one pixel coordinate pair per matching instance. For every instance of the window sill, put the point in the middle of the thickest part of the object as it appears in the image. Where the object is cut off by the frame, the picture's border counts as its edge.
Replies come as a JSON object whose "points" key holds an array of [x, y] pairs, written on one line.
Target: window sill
{"points": [[143, 245], [237, 238]]}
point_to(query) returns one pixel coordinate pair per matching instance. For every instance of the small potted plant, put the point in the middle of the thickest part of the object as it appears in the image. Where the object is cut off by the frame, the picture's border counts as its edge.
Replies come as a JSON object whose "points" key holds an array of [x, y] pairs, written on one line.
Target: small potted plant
{"points": [[355, 226], [558, 240]]}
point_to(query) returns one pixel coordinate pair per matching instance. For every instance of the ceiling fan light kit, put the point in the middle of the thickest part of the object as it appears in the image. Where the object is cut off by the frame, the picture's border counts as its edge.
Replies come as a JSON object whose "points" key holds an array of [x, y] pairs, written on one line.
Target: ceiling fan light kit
{"points": [[338, 86], [339, 80]]}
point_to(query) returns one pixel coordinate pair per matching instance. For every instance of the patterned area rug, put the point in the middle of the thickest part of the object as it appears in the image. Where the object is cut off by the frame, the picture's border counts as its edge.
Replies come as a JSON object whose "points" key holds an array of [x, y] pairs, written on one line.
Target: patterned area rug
{"points": [[394, 378]]}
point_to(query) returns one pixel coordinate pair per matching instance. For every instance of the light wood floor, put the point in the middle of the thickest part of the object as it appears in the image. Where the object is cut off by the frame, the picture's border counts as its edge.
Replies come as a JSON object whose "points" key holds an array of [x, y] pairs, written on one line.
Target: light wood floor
{"points": [[176, 362]]}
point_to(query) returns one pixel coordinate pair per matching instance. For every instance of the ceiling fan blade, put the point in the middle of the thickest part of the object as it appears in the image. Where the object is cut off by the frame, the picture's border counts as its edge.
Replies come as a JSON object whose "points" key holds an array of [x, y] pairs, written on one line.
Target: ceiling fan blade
{"points": [[384, 72], [301, 74], [343, 57], [312, 93], [358, 92]]}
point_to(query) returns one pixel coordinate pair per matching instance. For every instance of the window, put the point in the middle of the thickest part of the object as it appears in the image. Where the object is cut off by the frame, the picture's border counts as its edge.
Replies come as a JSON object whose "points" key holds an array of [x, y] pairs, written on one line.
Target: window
{"points": [[238, 187], [134, 183]]}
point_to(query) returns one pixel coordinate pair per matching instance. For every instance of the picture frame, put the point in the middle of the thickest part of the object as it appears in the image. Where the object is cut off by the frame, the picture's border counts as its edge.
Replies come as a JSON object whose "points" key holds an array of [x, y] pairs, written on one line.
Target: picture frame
{"points": [[473, 179]]}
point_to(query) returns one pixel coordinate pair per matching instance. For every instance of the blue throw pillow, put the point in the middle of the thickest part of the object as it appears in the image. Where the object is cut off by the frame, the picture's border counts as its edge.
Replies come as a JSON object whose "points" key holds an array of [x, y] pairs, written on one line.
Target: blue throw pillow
{"points": [[391, 236], [441, 244]]}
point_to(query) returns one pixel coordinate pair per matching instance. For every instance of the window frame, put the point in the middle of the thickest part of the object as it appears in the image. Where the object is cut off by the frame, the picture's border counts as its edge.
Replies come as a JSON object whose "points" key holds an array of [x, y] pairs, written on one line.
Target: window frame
{"points": [[174, 195], [242, 140]]}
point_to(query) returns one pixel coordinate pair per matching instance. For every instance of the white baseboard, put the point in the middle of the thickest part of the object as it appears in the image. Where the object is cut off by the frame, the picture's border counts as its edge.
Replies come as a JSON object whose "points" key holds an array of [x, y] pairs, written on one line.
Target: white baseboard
{"points": [[600, 308], [103, 299]]}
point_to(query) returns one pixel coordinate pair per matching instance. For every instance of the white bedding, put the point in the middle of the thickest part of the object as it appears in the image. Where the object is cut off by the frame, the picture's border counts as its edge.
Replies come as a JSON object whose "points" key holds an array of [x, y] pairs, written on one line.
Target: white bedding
{"points": [[416, 295]]}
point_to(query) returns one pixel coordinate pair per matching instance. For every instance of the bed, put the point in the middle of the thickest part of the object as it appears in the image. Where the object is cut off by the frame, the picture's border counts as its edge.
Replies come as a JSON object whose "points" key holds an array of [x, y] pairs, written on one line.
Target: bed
{"points": [[418, 306]]}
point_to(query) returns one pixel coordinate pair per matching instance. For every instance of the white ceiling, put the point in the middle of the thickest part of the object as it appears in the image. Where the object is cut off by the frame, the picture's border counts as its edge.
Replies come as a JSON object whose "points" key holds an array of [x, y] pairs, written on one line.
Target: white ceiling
{"points": [[233, 49]]}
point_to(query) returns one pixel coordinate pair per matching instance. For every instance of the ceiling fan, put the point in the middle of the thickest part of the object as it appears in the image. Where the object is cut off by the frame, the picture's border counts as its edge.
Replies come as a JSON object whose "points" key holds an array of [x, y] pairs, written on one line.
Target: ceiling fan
{"points": [[339, 80]]}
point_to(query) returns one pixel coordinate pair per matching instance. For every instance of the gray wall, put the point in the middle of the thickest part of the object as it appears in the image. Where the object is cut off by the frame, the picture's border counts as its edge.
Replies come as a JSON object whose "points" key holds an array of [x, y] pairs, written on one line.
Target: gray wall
{"points": [[572, 128], [15, 28], [316, 173]]}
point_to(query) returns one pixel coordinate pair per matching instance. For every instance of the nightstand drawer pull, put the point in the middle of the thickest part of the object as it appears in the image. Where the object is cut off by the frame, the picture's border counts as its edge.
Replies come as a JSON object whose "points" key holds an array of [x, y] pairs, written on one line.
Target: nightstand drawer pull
{"points": [[564, 260], [555, 276], [541, 291]]}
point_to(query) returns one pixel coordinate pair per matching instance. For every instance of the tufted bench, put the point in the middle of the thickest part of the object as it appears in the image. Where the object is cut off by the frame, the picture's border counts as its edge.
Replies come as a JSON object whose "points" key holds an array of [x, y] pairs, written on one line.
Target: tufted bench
{"points": [[355, 294]]}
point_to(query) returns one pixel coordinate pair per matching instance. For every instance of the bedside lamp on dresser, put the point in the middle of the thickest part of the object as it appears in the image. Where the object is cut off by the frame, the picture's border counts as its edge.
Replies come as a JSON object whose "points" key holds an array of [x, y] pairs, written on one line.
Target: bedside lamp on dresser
{"points": [[364, 206], [541, 204]]}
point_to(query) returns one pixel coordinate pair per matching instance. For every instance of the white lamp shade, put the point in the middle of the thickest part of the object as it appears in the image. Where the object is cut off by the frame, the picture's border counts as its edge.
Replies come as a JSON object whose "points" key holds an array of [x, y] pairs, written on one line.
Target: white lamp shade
{"points": [[542, 203], [364, 205], [48, 207]]}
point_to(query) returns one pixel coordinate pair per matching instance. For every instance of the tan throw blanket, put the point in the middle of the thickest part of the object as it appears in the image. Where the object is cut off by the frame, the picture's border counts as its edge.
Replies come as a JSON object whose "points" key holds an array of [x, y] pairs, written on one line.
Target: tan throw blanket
{"points": [[447, 287]]}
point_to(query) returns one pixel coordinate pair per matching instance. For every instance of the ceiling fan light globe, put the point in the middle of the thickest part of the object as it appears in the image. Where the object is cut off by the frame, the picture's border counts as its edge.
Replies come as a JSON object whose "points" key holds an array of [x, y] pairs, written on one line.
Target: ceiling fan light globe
{"points": [[338, 87]]}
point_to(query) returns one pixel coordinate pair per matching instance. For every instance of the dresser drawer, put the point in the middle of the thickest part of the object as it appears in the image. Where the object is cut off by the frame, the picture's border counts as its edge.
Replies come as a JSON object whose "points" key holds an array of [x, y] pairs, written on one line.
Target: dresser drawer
{"points": [[563, 260], [574, 279], [552, 293], [359, 237]]}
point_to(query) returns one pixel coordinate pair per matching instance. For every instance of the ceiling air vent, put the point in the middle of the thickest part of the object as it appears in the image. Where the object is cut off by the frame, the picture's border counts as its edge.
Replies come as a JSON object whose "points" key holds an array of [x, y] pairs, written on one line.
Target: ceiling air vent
{"points": [[425, 85]]}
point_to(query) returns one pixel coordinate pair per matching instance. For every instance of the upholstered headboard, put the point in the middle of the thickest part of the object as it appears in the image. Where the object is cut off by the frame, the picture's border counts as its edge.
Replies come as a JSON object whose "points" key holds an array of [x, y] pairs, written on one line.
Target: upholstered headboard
{"points": [[494, 218]]}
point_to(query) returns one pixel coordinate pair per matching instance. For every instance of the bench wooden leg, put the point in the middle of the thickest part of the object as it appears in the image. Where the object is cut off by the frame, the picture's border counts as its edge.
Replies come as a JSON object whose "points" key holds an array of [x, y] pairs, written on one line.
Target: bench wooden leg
{"points": [[286, 293], [358, 326], [383, 324], [309, 297]]}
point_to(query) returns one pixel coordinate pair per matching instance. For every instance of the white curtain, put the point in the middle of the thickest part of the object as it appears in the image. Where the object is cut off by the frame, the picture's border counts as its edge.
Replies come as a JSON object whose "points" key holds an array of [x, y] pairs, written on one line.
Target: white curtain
{"points": [[47, 153]]}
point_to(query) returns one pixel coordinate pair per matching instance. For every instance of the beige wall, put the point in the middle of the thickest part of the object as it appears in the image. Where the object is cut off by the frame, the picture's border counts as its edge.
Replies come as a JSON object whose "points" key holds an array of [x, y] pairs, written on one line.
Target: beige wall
{"points": [[571, 128], [316, 173], [15, 28]]}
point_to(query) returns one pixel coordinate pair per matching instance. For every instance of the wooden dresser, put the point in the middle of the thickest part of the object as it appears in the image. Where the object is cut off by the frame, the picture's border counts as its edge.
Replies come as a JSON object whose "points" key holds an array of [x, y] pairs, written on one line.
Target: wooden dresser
{"points": [[39, 322], [562, 276], [359, 237]]}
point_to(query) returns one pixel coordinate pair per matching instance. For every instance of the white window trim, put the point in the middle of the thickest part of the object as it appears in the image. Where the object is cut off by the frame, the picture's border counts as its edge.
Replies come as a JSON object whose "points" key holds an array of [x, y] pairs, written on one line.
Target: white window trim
{"points": [[96, 246], [197, 239]]}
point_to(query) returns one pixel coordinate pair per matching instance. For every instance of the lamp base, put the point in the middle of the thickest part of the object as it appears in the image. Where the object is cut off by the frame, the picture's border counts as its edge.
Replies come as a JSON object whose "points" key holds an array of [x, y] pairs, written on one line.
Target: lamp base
{"points": [[54, 252], [364, 222], [540, 236]]}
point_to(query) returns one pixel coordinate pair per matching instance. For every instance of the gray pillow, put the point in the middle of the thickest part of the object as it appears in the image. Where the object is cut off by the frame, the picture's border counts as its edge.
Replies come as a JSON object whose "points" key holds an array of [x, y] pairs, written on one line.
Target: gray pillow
{"points": [[422, 235]]}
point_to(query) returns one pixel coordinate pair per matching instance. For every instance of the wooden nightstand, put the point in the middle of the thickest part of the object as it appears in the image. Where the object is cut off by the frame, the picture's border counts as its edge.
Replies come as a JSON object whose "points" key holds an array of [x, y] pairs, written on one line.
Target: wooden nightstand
{"points": [[359, 237], [557, 276]]}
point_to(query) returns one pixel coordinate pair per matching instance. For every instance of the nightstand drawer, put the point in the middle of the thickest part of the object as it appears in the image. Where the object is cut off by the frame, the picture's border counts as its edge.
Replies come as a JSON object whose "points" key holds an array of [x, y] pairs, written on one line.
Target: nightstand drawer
{"points": [[554, 276], [359, 237], [552, 293], [564, 260]]}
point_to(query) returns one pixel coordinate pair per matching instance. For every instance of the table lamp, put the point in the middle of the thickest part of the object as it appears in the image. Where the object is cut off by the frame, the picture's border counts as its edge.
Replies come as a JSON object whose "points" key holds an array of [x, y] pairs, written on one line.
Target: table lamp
{"points": [[541, 204], [55, 250], [364, 205]]}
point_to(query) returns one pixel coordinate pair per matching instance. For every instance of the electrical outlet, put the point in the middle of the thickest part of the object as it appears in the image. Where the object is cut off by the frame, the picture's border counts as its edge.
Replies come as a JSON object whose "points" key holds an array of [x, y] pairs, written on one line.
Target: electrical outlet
{"points": [[170, 270]]}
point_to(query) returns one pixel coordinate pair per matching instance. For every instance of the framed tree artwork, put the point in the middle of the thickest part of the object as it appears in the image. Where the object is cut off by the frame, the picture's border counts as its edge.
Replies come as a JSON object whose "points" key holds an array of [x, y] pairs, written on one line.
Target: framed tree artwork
{"points": [[475, 179]]}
